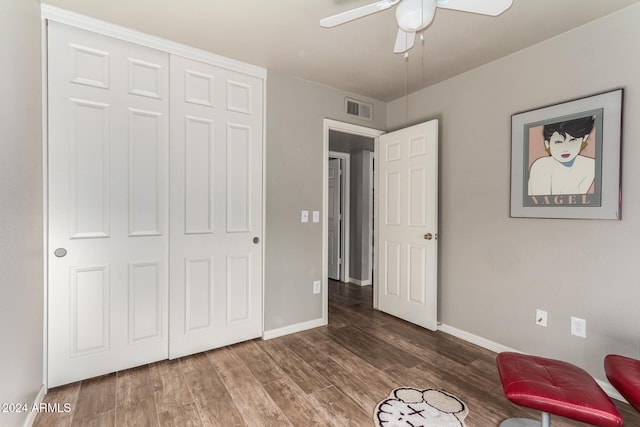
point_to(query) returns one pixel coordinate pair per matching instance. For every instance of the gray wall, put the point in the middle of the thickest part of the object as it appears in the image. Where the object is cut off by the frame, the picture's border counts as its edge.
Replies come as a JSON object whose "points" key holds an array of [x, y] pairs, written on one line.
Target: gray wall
{"points": [[294, 160], [495, 271], [21, 206]]}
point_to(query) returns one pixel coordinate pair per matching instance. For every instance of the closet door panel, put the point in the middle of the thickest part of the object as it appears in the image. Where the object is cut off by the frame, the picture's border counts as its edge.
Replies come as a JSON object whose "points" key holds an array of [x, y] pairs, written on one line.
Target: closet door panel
{"points": [[216, 207], [108, 204]]}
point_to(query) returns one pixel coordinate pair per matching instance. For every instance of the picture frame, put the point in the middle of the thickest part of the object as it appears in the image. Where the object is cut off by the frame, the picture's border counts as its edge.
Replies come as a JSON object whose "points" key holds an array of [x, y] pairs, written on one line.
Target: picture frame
{"points": [[565, 159]]}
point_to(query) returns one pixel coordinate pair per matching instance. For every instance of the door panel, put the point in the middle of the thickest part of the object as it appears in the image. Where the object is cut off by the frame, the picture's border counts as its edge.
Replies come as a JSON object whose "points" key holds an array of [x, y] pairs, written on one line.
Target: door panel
{"points": [[198, 176], [239, 151], [239, 289], [145, 301], [89, 310], [407, 200], [89, 172], [392, 269], [145, 169], [108, 204], [216, 206]]}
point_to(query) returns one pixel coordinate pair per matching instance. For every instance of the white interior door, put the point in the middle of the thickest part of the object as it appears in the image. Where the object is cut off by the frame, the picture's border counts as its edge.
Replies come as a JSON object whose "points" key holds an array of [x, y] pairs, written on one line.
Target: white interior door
{"points": [[406, 239], [108, 204], [216, 207], [334, 218]]}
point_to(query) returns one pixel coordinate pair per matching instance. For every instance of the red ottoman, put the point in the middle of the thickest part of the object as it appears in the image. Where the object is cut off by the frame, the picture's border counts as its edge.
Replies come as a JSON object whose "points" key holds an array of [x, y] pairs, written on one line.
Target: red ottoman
{"points": [[554, 387], [624, 374]]}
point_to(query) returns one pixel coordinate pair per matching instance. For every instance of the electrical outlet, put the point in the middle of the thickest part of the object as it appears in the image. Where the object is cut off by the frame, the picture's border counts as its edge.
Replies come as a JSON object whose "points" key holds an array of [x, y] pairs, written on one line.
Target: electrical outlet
{"points": [[578, 327], [316, 287], [541, 318]]}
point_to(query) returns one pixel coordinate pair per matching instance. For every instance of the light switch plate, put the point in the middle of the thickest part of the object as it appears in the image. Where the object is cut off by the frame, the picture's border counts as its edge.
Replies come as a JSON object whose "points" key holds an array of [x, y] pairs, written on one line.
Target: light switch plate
{"points": [[305, 216], [541, 318], [316, 216]]}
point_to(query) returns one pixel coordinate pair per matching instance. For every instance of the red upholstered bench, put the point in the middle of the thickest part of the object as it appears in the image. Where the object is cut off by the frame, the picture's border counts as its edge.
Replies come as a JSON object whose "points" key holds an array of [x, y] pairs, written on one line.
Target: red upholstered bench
{"points": [[624, 374], [554, 387]]}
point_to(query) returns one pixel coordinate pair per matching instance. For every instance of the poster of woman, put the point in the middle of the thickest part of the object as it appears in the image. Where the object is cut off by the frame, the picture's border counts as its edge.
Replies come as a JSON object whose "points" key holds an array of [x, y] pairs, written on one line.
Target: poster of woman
{"points": [[566, 159]]}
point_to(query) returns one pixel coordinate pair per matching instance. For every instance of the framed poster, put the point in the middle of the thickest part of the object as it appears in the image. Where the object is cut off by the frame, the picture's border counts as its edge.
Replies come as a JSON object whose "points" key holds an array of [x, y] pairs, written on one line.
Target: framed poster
{"points": [[565, 159]]}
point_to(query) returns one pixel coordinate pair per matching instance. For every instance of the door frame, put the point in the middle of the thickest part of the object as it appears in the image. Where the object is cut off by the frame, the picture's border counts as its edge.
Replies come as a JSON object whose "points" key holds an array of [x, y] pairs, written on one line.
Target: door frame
{"points": [[330, 124], [345, 211], [372, 217]]}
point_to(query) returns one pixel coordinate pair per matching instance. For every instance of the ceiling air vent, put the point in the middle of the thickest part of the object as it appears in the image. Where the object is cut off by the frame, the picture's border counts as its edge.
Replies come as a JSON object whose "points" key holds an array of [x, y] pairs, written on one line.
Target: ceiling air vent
{"points": [[359, 109]]}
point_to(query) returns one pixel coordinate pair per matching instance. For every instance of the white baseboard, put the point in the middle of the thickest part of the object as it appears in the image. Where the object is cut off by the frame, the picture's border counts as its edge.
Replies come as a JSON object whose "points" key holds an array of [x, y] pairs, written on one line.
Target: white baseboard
{"points": [[359, 282], [475, 339], [499, 348], [292, 329], [32, 414]]}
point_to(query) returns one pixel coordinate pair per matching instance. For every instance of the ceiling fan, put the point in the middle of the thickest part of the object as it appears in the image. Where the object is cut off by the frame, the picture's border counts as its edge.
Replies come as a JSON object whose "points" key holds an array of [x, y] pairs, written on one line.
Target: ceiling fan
{"points": [[416, 15]]}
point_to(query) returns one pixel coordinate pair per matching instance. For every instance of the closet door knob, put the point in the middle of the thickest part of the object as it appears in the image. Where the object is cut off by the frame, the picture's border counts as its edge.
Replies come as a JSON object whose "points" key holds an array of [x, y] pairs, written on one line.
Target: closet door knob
{"points": [[60, 252], [256, 240]]}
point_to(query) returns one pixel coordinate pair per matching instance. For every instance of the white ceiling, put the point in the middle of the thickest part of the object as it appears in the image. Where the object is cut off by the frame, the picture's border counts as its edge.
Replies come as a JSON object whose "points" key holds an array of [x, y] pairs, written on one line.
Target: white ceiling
{"points": [[284, 35]]}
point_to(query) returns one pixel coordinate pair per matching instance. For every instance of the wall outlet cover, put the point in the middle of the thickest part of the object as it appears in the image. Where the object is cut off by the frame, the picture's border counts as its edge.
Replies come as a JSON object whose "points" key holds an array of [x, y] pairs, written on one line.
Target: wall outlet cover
{"points": [[578, 327]]}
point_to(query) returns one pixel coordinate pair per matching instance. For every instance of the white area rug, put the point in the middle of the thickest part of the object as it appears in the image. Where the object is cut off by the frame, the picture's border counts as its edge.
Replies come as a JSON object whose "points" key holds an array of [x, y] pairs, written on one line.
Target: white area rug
{"points": [[411, 407]]}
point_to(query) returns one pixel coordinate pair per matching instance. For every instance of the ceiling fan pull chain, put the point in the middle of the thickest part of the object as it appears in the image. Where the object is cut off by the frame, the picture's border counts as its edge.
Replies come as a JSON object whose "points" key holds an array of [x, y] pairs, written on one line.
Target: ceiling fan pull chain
{"points": [[406, 89]]}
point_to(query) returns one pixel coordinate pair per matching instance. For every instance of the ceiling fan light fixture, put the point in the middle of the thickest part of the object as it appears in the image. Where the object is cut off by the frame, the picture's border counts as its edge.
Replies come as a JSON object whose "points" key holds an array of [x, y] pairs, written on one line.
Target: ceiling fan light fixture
{"points": [[415, 15]]}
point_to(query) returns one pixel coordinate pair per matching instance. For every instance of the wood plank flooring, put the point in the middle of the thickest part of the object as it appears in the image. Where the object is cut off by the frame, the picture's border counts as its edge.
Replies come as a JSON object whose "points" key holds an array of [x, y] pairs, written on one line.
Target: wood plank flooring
{"points": [[329, 376]]}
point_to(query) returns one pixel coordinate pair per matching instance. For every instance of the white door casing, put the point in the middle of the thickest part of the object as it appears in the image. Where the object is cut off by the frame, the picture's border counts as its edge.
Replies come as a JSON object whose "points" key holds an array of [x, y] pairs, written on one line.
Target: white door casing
{"points": [[108, 204], [216, 207], [329, 125], [406, 238], [334, 219]]}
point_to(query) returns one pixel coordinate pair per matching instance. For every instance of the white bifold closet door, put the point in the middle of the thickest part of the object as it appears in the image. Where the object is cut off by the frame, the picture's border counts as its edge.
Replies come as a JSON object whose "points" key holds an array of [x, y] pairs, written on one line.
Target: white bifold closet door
{"points": [[155, 235], [108, 204], [216, 207]]}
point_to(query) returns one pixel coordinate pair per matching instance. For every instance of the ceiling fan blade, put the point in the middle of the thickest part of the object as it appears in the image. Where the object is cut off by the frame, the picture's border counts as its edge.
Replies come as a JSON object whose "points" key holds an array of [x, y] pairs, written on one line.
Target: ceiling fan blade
{"points": [[356, 13], [484, 7], [404, 41]]}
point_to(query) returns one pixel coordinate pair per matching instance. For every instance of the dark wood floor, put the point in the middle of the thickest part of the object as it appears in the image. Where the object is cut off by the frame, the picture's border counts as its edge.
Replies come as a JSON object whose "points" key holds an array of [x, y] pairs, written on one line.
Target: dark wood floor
{"points": [[329, 376]]}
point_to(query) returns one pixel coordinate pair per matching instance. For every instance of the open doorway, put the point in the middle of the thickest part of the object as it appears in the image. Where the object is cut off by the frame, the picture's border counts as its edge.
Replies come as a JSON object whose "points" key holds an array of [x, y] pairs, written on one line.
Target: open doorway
{"points": [[350, 220], [357, 145]]}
